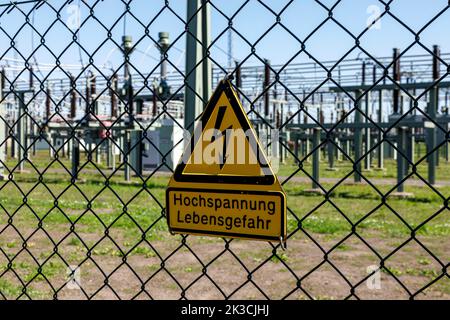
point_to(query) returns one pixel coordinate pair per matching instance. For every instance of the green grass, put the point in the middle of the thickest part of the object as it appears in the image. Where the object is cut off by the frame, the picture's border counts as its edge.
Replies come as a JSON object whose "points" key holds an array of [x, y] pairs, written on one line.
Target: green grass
{"points": [[127, 206], [354, 201], [279, 257], [10, 289]]}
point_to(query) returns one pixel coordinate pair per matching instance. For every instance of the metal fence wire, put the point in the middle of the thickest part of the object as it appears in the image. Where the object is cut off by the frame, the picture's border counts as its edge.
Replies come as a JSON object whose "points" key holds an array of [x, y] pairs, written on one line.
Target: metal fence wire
{"points": [[96, 93]]}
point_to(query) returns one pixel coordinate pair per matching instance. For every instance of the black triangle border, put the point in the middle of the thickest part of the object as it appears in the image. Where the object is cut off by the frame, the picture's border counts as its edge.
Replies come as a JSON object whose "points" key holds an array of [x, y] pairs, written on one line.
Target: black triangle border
{"points": [[224, 86]]}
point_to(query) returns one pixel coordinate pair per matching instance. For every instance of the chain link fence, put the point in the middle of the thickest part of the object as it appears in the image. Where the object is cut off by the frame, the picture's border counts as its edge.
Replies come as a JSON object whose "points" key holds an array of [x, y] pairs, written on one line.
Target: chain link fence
{"points": [[92, 112]]}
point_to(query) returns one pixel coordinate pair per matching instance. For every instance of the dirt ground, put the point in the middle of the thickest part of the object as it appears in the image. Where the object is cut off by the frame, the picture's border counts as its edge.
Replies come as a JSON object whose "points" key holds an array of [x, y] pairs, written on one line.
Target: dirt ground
{"points": [[209, 268]]}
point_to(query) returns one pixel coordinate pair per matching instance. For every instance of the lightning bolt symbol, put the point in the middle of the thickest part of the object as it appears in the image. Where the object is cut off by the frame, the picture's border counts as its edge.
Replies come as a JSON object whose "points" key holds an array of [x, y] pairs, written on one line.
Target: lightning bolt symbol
{"points": [[219, 120]]}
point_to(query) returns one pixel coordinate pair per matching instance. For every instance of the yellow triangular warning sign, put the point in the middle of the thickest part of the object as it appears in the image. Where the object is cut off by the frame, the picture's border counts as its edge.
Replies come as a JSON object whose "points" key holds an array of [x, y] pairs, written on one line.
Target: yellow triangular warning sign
{"points": [[224, 147], [224, 184]]}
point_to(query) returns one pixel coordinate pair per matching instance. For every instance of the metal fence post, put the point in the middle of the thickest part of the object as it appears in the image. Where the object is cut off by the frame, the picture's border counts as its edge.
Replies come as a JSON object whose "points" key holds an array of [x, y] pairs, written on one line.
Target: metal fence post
{"points": [[206, 41], [432, 110], [401, 138], [331, 153], [316, 158], [266, 84], [411, 146], [380, 133], [21, 131], [357, 139], [193, 106], [127, 155], [368, 137], [110, 155], [367, 162], [431, 137], [75, 156]]}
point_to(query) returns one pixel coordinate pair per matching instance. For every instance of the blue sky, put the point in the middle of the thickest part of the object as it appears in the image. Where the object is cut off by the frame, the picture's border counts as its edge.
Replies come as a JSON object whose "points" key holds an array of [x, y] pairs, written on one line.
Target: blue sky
{"points": [[301, 17]]}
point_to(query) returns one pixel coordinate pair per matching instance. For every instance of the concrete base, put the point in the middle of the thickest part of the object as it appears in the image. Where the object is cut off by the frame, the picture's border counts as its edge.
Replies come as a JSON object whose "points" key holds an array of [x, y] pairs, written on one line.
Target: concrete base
{"points": [[379, 169], [332, 169], [128, 183], [22, 171], [317, 191], [81, 180], [402, 195]]}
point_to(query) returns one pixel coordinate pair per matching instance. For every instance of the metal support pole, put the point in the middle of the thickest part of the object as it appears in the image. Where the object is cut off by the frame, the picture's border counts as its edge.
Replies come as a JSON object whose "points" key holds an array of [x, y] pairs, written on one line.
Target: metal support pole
{"points": [[127, 155], [306, 147], [397, 77], [93, 92], [13, 143], [154, 101], [73, 98], [139, 106], [110, 155], [358, 137], [367, 129], [321, 118], [419, 150], [411, 147], [308, 135], [98, 155], [367, 158], [130, 101], [63, 147], [339, 155], [75, 157], [432, 110], [394, 151], [331, 156], [163, 43], [21, 132], [401, 161], [431, 137], [87, 100], [436, 76], [5, 132], [69, 148], [121, 139], [380, 133], [135, 147], [33, 133], [113, 92], [26, 137], [193, 105], [316, 158], [447, 148], [206, 61], [47, 104], [347, 142], [266, 87]]}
